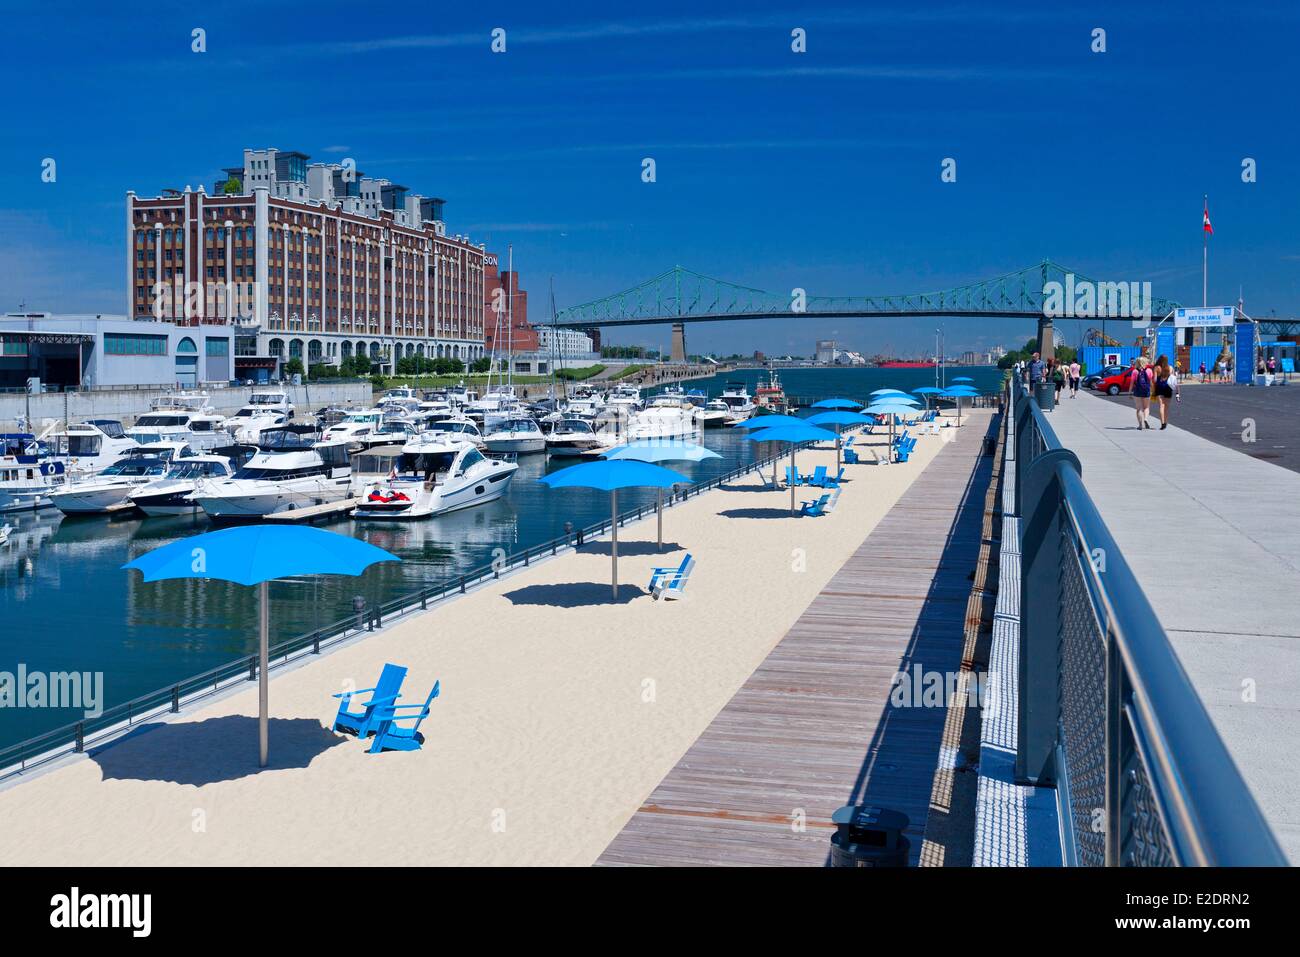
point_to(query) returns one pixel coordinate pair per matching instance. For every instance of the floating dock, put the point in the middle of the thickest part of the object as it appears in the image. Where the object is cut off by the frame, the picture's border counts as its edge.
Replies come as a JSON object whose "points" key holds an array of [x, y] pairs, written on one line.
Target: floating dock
{"points": [[316, 513]]}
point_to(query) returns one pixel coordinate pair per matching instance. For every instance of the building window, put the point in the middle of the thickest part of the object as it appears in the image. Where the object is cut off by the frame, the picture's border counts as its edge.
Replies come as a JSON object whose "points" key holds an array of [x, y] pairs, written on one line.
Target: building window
{"points": [[14, 346], [218, 347], [132, 344]]}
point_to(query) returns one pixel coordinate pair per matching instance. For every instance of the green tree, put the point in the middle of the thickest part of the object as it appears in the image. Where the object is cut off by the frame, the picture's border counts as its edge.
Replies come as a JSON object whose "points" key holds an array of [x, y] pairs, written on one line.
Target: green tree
{"points": [[231, 187], [293, 367], [481, 365]]}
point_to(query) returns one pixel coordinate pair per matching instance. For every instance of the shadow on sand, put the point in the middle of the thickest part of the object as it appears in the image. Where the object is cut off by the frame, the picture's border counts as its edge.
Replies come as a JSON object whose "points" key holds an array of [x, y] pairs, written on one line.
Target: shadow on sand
{"points": [[218, 749], [756, 513], [573, 594], [630, 549]]}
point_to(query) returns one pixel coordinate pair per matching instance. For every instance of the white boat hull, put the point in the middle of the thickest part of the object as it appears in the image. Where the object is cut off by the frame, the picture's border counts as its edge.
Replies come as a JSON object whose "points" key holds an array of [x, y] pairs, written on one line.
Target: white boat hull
{"points": [[520, 446], [91, 501], [250, 499], [480, 490]]}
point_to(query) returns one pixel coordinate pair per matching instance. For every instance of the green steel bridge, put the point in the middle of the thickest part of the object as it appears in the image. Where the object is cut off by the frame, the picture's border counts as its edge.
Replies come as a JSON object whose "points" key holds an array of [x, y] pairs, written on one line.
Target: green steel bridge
{"points": [[681, 295]]}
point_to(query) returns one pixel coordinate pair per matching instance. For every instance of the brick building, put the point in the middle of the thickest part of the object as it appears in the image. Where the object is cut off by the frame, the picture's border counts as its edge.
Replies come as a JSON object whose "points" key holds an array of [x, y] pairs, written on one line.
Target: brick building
{"points": [[310, 261]]}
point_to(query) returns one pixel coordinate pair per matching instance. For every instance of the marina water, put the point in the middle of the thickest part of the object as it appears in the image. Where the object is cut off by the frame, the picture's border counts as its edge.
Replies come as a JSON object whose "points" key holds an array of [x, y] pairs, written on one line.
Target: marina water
{"points": [[66, 605]]}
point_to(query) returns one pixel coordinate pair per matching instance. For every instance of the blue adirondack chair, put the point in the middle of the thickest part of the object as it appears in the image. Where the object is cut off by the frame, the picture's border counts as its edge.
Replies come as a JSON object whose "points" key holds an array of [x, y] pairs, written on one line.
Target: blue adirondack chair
{"points": [[391, 736], [817, 478], [849, 441], [792, 477], [670, 583], [851, 457], [905, 449], [814, 508], [384, 693], [833, 481]]}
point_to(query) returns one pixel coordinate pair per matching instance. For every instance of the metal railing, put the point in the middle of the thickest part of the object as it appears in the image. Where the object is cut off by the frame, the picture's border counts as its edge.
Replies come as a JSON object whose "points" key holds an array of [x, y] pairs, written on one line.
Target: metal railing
{"points": [[1107, 715], [114, 721]]}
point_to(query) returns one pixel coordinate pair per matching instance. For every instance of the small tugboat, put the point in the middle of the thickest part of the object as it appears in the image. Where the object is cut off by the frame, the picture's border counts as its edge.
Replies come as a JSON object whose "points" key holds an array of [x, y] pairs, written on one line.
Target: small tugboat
{"points": [[770, 399]]}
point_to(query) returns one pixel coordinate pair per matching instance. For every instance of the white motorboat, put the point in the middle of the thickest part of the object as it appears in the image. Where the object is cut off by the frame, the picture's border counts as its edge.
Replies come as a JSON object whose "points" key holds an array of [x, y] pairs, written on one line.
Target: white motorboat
{"points": [[569, 437], [714, 414], [101, 493], [199, 430], [625, 397], [252, 420], [173, 493], [740, 405], [498, 402], [666, 417], [457, 428], [272, 399], [90, 446], [27, 473], [364, 428], [288, 472], [433, 474], [518, 435]]}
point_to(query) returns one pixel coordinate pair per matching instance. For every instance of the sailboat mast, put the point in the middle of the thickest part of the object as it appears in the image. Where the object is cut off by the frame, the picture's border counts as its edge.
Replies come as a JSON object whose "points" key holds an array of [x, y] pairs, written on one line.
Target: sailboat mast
{"points": [[510, 315]]}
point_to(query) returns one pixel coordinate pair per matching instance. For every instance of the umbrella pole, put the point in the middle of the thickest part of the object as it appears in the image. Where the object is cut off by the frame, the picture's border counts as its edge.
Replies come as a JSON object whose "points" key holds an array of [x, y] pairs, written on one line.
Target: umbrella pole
{"points": [[659, 510], [613, 531], [794, 472], [839, 430], [263, 654]]}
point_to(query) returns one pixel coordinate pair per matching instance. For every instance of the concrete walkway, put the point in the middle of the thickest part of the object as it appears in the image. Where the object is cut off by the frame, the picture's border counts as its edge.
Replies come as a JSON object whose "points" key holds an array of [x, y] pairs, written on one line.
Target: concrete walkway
{"points": [[1213, 536]]}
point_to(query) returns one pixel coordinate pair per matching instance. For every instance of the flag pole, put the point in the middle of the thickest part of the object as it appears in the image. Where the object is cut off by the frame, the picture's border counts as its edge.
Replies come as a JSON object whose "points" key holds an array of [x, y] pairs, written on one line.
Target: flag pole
{"points": [[1205, 258]]}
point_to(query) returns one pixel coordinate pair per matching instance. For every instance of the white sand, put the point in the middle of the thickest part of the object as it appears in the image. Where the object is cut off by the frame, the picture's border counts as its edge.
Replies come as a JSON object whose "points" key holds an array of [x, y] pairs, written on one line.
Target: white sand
{"points": [[553, 726]]}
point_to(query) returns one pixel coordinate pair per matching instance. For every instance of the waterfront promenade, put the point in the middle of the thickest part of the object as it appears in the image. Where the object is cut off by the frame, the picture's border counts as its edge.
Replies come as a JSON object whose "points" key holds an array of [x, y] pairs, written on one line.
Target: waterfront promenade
{"points": [[561, 710], [1213, 536]]}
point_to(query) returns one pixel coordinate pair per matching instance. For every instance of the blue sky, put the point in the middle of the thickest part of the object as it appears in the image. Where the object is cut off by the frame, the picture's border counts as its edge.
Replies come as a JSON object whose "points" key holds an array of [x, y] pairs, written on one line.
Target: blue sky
{"points": [[819, 170]]}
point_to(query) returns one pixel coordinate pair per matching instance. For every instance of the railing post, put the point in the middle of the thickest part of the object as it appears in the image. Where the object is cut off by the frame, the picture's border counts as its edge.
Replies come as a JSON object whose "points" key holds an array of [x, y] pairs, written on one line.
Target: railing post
{"points": [[1116, 763], [81, 738], [252, 668], [1042, 527], [176, 699]]}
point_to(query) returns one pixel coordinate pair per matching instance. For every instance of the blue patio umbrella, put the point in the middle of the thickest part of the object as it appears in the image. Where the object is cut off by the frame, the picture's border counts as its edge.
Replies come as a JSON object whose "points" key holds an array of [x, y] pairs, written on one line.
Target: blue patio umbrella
{"points": [[661, 451], [892, 406], [889, 392], [836, 404], [793, 434], [962, 378], [769, 422], [926, 391], [254, 555], [957, 393], [839, 419], [610, 475]]}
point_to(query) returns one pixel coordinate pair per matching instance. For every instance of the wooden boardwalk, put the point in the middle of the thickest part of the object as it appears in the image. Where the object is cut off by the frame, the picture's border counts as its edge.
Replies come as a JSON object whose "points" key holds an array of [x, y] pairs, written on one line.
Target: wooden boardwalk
{"points": [[812, 728]]}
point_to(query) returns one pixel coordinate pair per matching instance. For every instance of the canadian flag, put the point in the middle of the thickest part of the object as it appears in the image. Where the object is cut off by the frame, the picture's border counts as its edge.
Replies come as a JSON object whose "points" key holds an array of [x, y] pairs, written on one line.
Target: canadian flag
{"points": [[1205, 220]]}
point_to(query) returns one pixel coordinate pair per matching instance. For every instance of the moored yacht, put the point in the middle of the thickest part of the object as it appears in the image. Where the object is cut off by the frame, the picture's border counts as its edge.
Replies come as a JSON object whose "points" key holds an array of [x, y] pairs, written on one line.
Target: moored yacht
{"points": [[110, 488], [173, 493], [92, 445], [570, 437], [364, 428], [666, 417], [714, 414], [519, 435], [27, 473], [252, 420], [737, 399], [433, 474], [288, 472]]}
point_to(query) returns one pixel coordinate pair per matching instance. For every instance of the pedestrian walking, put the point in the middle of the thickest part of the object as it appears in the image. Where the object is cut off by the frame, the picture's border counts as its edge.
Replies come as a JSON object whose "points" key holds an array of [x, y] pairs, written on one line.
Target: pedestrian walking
{"points": [[1141, 385], [1058, 378], [1075, 373], [1202, 372], [1166, 382], [1036, 368]]}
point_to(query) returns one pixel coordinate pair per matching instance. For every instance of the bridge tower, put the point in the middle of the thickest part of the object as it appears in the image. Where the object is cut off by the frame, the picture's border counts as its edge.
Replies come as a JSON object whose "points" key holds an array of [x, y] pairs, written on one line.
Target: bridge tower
{"points": [[1046, 338], [679, 342]]}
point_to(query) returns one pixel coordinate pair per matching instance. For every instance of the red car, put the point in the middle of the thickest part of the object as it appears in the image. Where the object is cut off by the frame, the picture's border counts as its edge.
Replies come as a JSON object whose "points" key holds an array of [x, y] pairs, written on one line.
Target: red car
{"points": [[1117, 383]]}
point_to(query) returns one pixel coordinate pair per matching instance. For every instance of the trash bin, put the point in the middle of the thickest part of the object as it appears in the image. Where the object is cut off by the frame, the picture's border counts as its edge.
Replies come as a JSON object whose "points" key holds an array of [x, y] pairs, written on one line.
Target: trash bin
{"points": [[868, 836], [1045, 394]]}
